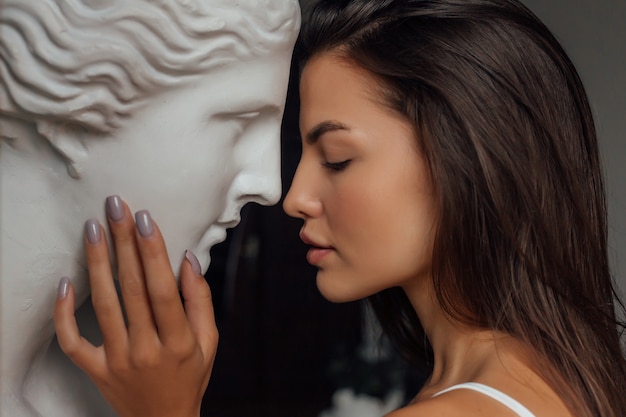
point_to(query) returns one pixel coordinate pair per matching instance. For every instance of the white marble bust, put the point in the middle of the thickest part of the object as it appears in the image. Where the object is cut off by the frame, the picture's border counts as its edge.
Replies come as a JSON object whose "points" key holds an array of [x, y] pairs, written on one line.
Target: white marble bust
{"points": [[175, 105]]}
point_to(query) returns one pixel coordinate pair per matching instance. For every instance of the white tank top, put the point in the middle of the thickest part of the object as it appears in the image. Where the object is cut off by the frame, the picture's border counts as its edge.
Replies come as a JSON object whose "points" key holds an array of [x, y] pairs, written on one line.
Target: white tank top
{"points": [[493, 393]]}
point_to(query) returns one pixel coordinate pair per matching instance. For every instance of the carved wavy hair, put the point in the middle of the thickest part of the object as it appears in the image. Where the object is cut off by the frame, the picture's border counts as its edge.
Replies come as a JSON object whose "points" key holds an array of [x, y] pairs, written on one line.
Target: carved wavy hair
{"points": [[92, 62], [503, 120]]}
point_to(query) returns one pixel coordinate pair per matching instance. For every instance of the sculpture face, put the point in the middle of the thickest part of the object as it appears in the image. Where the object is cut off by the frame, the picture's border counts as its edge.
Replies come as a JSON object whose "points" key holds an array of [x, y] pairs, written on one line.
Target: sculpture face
{"points": [[196, 154], [174, 105]]}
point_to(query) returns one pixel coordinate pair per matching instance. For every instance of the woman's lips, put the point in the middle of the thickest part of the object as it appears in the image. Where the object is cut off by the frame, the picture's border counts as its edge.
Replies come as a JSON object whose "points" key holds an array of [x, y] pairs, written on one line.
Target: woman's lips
{"points": [[315, 255], [317, 252]]}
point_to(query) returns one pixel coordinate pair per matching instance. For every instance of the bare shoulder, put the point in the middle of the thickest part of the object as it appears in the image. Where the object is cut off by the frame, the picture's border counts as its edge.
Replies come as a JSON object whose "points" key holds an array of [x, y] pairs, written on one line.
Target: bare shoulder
{"points": [[461, 403], [422, 409]]}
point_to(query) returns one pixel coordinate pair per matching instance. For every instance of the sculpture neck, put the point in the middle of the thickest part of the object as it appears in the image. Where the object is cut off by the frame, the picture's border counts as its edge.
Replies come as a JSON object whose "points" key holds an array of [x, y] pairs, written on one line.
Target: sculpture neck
{"points": [[37, 250]]}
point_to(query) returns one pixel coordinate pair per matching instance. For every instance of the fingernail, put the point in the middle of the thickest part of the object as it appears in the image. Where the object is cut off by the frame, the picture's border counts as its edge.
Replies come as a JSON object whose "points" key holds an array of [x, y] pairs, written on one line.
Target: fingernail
{"points": [[144, 223], [115, 208], [64, 286], [193, 261], [92, 230]]}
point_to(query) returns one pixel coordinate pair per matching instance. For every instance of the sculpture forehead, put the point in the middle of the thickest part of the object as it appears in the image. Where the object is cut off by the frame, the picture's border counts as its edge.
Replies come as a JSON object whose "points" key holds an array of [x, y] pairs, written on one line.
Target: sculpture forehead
{"points": [[197, 17], [92, 61], [268, 12]]}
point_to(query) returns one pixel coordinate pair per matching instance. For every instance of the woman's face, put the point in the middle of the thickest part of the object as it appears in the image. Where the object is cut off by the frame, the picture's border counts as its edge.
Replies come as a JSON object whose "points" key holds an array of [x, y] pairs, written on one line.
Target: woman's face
{"points": [[361, 186], [197, 153]]}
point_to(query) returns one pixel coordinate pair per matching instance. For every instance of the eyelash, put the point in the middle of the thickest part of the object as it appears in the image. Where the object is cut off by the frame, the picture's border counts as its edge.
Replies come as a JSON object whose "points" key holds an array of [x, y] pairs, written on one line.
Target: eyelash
{"points": [[336, 166]]}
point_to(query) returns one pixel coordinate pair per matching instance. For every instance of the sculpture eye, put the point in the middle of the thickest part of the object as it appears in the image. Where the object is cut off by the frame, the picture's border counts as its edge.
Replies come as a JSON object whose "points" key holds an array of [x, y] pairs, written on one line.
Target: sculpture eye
{"points": [[244, 120], [240, 118], [237, 115], [248, 115], [237, 122]]}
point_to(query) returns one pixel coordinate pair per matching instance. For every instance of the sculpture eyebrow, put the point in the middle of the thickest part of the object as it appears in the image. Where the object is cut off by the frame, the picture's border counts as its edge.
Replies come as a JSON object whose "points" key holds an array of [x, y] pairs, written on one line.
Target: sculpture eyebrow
{"points": [[324, 127]]}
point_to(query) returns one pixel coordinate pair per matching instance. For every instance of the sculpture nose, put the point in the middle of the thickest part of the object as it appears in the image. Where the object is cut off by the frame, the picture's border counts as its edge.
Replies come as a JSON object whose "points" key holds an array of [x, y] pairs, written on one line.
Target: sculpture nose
{"points": [[259, 180], [260, 186]]}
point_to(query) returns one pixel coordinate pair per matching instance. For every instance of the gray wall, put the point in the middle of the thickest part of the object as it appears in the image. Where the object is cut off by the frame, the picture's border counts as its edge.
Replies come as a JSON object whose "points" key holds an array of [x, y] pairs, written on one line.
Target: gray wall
{"points": [[594, 34]]}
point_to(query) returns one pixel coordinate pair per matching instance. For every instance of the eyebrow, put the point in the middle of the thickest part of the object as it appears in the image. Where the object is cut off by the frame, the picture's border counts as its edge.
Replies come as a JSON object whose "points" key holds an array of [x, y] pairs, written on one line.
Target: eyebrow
{"points": [[324, 127]]}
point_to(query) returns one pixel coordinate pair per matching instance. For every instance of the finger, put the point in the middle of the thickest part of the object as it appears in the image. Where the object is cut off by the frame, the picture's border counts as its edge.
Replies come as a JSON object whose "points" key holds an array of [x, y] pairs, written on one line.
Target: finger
{"points": [[85, 355], [167, 308], [130, 270], [198, 304], [103, 293]]}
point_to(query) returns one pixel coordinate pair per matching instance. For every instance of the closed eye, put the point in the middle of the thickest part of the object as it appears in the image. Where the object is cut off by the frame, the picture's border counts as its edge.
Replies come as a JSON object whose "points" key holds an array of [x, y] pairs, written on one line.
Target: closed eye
{"points": [[238, 121], [248, 112], [247, 115], [336, 166]]}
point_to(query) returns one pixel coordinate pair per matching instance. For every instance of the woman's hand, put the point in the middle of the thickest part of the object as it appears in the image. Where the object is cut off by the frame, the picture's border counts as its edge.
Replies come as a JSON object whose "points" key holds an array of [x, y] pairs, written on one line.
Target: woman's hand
{"points": [[158, 362]]}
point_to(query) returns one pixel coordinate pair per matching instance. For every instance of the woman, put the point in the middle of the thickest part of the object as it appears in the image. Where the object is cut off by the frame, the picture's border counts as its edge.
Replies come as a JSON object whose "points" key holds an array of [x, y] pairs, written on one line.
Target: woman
{"points": [[450, 173]]}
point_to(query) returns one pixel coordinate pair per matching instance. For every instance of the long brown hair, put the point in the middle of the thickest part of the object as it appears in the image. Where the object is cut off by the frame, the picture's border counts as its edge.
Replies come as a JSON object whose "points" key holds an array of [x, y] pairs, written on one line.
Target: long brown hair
{"points": [[504, 123]]}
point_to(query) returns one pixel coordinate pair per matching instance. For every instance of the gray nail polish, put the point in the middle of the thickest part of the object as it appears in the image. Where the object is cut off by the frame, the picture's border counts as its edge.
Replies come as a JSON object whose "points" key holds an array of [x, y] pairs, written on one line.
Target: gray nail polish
{"points": [[115, 208], [144, 223], [64, 286], [92, 230], [193, 261]]}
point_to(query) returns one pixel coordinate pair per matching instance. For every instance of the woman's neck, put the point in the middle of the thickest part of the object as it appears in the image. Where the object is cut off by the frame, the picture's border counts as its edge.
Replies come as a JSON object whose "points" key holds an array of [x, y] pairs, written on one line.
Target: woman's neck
{"points": [[461, 352]]}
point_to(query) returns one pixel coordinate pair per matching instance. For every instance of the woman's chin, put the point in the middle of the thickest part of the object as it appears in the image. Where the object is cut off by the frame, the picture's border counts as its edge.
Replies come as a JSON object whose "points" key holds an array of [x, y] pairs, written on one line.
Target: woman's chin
{"points": [[336, 291]]}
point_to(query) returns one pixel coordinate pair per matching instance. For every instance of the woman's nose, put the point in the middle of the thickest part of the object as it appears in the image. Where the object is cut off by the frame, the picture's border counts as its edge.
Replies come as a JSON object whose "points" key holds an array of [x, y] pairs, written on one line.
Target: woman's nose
{"points": [[301, 200]]}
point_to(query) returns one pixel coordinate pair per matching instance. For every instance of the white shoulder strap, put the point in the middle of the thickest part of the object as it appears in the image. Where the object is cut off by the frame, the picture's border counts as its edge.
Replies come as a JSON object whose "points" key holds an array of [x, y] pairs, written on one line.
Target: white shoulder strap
{"points": [[493, 393]]}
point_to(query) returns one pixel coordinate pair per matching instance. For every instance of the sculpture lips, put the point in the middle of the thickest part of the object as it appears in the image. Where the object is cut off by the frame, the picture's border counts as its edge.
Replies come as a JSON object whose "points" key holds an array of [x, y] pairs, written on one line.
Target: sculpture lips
{"points": [[230, 223], [214, 235]]}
